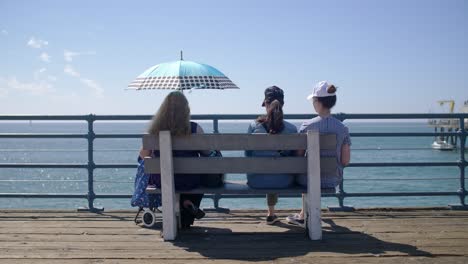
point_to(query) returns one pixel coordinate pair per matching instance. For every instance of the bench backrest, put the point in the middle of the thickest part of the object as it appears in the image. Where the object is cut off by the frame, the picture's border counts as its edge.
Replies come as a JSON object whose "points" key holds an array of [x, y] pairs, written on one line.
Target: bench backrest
{"points": [[221, 142], [167, 165]]}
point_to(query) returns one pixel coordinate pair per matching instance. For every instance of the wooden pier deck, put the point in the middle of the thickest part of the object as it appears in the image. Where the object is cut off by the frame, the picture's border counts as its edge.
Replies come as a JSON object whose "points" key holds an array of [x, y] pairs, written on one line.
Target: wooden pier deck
{"points": [[364, 236]]}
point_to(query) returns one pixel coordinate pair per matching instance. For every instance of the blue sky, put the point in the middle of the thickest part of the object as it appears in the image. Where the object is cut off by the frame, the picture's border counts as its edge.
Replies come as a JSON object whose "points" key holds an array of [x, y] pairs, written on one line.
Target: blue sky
{"points": [[63, 57]]}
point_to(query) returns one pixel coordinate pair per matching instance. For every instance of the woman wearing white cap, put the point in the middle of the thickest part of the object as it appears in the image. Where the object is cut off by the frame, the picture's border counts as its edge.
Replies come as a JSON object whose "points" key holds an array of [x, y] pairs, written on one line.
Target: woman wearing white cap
{"points": [[323, 99]]}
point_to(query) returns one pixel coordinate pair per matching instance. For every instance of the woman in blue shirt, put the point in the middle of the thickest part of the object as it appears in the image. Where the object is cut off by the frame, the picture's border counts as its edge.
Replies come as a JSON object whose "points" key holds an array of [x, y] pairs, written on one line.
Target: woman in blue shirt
{"points": [[271, 123]]}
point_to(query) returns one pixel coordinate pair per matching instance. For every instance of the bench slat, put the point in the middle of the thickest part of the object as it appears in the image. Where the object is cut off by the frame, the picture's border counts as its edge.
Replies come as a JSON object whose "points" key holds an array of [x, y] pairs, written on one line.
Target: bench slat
{"points": [[242, 165], [241, 187], [328, 166], [231, 165], [328, 142], [231, 142]]}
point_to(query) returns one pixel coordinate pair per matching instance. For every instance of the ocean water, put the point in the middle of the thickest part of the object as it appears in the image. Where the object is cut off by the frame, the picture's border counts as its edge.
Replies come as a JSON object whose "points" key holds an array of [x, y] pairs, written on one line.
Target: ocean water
{"points": [[364, 149]]}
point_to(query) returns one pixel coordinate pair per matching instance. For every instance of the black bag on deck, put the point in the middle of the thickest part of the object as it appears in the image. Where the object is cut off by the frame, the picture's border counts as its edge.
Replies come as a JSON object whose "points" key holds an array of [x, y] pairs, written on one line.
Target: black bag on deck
{"points": [[213, 180]]}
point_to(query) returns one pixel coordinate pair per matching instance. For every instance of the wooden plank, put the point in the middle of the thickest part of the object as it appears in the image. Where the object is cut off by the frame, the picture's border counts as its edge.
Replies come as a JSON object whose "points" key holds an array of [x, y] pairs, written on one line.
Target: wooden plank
{"points": [[313, 195], [241, 187], [241, 142], [328, 142], [328, 166], [349, 259], [204, 165], [210, 252], [167, 187], [232, 142]]}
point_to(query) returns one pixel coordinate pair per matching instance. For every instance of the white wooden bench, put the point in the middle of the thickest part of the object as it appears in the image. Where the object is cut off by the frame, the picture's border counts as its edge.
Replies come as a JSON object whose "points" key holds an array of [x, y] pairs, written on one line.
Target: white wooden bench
{"points": [[312, 165]]}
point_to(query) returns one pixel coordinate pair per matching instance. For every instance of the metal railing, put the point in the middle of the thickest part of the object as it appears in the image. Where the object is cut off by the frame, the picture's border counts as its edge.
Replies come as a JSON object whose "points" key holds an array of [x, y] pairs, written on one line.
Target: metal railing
{"points": [[341, 194]]}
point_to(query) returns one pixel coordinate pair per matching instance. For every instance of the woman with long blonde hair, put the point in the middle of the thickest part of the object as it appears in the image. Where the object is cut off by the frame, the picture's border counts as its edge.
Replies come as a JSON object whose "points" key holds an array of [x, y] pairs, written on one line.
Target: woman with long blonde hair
{"points": [[174, 116]]}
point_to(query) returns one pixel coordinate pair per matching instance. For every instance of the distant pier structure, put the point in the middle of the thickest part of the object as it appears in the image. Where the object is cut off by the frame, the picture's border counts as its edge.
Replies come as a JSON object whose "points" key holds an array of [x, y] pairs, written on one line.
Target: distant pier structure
{"points": [[447, 125]]}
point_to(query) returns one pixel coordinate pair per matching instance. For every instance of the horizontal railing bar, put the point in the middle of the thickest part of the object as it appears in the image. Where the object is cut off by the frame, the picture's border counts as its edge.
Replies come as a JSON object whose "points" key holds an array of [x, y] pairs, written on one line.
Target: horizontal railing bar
{"points": [[348, 179], [404, 116], [403, 179], [47, 150], [42, 195], [104, 181], [401, 194], [131, 166], [33, 180], [118, 135], [44, 165], [404, 164], [227, 196], [235, 116], [68, 135], [106, 196], [136, 151], [394, 134], [44, 117], [116, 166], [42, 135], [345, 195]]}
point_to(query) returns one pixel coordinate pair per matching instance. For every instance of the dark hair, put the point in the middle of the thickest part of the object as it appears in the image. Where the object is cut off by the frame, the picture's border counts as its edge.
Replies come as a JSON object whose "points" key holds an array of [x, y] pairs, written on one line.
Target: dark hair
{"points": [[273, 120], [328, 101], [273, 93]]}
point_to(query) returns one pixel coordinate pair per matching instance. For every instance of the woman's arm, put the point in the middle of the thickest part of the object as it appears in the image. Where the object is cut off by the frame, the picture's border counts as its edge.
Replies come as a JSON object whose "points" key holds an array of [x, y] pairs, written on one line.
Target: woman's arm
{"points": [[345, 154], [144, 153], [300, 153]]}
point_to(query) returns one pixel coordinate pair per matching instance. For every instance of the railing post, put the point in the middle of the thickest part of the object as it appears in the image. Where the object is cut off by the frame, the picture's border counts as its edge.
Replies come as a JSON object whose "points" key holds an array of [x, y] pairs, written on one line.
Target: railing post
{"points": [[341, 195], [462, 164], [215, 126], [91, 166], [216, 197]]}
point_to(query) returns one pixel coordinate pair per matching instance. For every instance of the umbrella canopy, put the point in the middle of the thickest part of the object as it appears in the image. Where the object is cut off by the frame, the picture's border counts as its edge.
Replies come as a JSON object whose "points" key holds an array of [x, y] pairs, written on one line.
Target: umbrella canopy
{"points": [[182, 75]]}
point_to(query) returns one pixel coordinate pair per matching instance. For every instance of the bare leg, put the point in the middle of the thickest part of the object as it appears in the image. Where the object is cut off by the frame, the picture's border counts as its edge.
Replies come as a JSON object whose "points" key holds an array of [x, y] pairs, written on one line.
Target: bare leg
{"points": [[271, 210], [272, 199], [301, 214]]}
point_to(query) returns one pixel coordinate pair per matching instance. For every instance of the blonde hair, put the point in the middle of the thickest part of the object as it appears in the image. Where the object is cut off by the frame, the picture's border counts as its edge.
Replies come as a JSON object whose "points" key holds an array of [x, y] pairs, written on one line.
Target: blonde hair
{"points": [[173, 115]]}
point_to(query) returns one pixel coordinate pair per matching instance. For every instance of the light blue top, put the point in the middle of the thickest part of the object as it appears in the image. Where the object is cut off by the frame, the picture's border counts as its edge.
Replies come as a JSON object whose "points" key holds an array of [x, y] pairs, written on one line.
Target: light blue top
{"points": [[330, 125], [181, 68], [268, 181], [256, 127]]}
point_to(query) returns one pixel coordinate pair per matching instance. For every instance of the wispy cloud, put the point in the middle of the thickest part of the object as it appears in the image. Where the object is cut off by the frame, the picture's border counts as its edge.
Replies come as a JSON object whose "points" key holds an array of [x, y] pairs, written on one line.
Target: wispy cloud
{"points": [[37, 74], [70, 71], [93, 85], [68, 55], [37, 43], [3, 88], [36, 87], [44, 57], [4, 32]]}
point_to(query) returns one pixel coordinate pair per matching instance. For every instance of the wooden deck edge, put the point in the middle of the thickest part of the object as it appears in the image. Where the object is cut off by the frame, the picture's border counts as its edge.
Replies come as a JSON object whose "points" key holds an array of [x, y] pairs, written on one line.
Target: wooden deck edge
{"points": [[367, 209]]}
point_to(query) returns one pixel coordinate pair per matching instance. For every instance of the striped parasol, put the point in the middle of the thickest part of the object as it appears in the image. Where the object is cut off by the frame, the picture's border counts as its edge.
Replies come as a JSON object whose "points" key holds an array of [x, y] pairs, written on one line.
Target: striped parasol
{"points": [[182, 75]]}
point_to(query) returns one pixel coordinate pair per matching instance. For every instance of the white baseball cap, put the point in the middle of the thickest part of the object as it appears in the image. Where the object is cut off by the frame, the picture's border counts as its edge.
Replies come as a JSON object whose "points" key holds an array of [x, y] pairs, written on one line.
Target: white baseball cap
{"points": [[320, 90]]}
